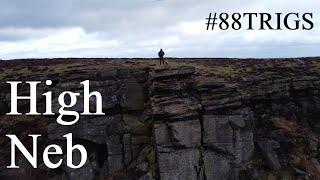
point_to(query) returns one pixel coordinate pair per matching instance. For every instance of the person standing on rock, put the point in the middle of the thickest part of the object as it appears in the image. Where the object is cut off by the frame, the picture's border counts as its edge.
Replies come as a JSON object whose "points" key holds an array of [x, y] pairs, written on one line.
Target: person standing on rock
{"points": [[161, 54]]}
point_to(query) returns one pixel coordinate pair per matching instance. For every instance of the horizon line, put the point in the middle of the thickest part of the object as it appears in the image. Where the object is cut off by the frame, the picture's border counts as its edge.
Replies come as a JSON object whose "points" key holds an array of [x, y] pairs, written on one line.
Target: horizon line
{"points": [[156, 58]]}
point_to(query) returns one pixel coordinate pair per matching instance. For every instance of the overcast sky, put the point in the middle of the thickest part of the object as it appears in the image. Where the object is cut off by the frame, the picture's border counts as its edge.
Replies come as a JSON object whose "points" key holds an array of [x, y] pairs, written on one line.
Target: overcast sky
{"points": [[138, 28]]}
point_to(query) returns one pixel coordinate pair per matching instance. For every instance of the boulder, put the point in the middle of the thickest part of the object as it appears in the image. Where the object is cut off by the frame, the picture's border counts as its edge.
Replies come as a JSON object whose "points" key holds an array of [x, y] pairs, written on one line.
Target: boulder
{"points": [[160, 73], [179, 164], [217, 166], [186, 133]]}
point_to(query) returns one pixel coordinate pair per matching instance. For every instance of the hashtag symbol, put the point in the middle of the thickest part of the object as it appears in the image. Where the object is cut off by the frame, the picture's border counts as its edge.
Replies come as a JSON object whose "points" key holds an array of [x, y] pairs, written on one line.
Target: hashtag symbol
{"points": [[211, 21]]}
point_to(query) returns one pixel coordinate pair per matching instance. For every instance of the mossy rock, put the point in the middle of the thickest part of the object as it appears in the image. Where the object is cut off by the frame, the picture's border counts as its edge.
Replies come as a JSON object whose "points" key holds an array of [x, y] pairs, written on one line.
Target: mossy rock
{"points": [[134, 125], [147, 155], [210, 82], [133, 96]]}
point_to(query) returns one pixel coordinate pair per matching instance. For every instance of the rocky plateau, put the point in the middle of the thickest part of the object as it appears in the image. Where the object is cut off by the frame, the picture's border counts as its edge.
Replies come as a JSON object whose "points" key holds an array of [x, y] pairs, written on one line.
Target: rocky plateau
{"points": [[194, 119]]}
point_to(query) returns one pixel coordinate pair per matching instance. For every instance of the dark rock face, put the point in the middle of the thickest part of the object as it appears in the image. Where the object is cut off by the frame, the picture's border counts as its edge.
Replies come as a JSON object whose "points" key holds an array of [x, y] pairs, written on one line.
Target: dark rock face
{"points": [[91, 129], [177, 129], [268, 152], [202, 120]]}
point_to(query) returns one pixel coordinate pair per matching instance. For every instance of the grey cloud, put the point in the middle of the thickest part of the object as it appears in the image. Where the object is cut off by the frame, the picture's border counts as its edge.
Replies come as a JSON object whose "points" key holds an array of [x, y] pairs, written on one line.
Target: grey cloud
{"points": [[101, 14], [139, 27]]}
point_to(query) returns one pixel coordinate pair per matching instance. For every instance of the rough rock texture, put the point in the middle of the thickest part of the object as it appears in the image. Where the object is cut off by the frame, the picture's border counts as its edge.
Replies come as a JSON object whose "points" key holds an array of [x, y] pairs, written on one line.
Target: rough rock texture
{"points": [[202, 119]]}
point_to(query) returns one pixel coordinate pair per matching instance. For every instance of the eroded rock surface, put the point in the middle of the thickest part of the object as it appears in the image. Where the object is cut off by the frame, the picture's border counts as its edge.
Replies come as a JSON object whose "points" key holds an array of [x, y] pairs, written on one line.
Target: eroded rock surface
{"points": [[195, 119]]}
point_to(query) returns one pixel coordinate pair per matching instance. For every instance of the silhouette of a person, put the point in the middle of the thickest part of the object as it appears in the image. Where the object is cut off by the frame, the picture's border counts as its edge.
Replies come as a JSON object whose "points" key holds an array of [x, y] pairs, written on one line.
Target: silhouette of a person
{"points": [[161, 54]]}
